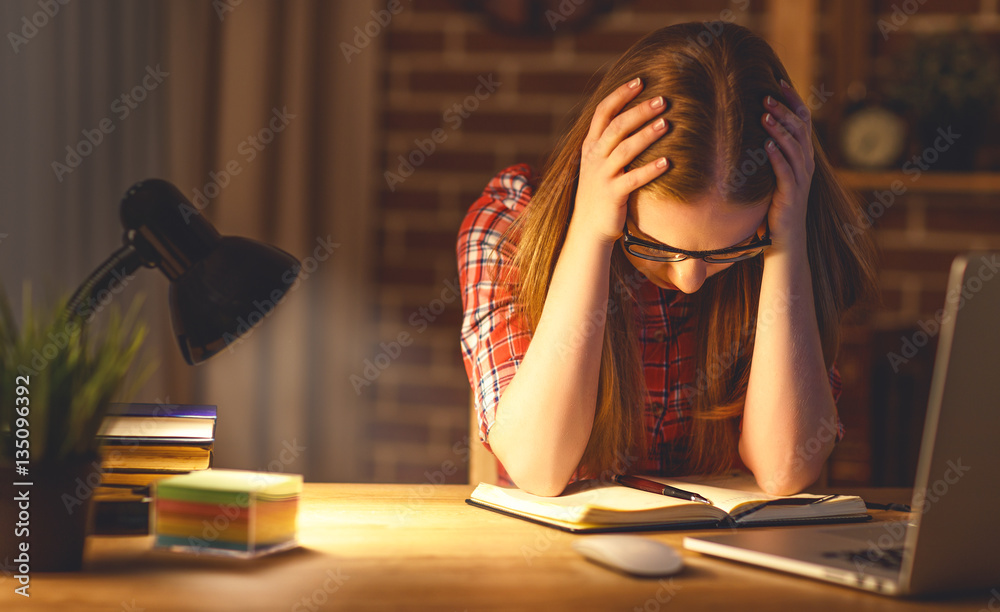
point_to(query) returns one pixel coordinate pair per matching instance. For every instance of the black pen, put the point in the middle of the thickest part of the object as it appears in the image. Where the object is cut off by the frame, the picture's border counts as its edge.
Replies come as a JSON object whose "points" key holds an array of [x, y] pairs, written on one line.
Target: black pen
{"points": [[650, 486]]}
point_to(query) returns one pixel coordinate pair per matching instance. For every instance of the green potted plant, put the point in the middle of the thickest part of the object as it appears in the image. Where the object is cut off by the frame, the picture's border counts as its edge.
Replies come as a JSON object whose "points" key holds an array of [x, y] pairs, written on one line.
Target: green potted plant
{"points": [[57, 379], [947, 82]]}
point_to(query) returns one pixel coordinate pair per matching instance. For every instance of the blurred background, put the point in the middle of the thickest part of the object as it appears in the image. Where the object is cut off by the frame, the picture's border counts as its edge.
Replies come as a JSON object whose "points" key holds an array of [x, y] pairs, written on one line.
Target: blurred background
{"points": [[355, 135]]}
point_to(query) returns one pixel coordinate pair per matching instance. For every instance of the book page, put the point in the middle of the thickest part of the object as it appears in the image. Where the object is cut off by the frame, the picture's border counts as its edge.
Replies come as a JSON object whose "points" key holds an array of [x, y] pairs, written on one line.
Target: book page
{"points": [[591, 501], [594, 502], [725, 493], [580, 495], [737, 494], [157, 427]]}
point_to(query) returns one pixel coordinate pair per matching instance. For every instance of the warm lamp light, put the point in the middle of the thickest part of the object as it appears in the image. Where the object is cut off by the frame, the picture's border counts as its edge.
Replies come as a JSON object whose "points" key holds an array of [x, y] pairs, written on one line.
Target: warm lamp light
{"points": [[217, 283]]}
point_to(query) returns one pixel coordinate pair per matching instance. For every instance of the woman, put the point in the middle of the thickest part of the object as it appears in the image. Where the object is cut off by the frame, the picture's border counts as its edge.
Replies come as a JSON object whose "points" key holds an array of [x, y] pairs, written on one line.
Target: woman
{"points": [[670, 300]]}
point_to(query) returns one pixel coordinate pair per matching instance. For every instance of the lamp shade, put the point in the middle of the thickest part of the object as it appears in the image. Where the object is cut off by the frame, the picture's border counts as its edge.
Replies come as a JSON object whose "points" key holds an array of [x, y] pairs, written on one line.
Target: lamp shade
{"points": [[220, 286], [227, 293]]}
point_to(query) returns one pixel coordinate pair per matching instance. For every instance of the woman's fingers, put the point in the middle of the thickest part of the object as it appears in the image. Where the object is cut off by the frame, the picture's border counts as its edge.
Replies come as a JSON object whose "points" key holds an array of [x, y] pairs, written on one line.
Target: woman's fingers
{"points": [[790, 152], [614, 140], [636, 178], [630, 148], [627, 123], [782, 169], [795, 102], [801, 129], [609, 107], [790, 146], [619, 126]]}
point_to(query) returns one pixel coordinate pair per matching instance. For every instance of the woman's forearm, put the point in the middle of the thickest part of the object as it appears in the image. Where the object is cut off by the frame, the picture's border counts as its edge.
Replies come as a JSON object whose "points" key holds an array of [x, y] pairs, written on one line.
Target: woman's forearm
{"points": [[546, 413], [788, 401]]}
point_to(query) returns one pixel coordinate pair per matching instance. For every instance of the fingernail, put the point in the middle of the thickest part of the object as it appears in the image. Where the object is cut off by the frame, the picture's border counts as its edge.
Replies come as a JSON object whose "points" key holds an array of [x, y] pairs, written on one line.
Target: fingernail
{"points": [[769, 101], [634, 83], [659, 124], [785, 85], [661, 163], [769, 119], [657, 102], [770, 145]]}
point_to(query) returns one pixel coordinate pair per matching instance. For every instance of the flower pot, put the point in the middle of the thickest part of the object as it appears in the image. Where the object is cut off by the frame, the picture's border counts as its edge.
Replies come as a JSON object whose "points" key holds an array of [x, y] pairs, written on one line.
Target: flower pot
{"points": [[46, 523]]}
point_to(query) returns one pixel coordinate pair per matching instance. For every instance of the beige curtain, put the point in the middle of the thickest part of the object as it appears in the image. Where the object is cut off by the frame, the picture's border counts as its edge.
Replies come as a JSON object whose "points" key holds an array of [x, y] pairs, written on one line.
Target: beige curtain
{"points": [[271, 114], [258, 111], [63, 74]]}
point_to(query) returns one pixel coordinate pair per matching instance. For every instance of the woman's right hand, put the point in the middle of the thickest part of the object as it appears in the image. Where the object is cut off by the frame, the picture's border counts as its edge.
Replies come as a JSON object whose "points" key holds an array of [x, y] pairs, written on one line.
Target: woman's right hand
{"points": [[603, 187]]}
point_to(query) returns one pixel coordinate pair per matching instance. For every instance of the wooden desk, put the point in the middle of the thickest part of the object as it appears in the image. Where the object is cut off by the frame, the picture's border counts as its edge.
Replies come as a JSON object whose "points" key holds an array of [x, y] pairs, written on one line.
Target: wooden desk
{"points": [[420, 547]]}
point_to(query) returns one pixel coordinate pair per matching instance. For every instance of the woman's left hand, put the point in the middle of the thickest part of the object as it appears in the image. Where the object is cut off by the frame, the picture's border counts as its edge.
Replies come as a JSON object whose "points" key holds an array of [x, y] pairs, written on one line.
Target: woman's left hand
{"points": [[790, 150]]}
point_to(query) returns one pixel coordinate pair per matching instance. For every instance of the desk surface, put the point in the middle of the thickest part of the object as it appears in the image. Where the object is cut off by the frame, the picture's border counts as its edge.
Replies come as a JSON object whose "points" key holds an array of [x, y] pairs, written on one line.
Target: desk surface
{"points": [[420, 547]]}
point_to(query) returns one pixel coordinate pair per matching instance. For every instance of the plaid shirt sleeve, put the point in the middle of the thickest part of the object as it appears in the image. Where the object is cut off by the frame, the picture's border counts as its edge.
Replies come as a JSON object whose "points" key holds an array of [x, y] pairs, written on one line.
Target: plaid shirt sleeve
{"points": [[493, 339]]}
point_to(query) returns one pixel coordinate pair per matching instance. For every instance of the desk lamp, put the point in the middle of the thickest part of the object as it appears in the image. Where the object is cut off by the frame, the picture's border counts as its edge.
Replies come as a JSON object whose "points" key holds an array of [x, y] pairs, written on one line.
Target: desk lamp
{"points": [[217, 283]]}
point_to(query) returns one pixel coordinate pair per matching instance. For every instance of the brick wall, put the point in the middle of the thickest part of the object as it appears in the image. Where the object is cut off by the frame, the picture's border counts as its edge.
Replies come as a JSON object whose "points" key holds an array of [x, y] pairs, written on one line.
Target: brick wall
{"points": [[919, 229], [438, 57]]}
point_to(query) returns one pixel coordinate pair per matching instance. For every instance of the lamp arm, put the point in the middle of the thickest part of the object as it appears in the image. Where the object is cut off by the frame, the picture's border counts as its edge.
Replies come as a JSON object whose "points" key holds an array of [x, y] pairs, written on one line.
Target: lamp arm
{"points": [[121, 263]]}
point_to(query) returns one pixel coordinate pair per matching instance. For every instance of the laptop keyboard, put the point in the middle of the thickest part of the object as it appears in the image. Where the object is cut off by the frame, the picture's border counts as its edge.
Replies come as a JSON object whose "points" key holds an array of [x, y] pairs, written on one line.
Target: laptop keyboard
{"points": [[889, 558]]}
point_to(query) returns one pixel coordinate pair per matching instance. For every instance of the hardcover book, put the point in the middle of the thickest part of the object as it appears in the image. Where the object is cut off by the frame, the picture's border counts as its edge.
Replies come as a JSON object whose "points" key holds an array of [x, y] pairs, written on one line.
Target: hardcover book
{"points": [[594, 506]]}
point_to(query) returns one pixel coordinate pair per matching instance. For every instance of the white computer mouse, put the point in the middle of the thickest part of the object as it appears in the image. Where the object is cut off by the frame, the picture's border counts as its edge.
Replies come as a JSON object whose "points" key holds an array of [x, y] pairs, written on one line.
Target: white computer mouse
{"points": [[630, 554]]}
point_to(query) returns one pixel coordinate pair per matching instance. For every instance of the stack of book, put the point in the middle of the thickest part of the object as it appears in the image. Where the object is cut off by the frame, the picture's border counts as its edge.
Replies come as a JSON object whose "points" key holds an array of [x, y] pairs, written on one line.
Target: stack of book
{"points": [[140, 444]]}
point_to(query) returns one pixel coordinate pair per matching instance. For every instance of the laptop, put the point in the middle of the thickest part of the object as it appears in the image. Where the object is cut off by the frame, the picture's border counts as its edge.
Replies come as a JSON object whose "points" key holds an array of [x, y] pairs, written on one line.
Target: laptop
{"points": [[952, 540]]}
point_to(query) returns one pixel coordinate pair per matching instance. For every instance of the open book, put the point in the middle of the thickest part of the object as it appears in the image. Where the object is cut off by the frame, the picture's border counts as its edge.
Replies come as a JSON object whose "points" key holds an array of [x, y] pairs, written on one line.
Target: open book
{"points": [[589, 506]]}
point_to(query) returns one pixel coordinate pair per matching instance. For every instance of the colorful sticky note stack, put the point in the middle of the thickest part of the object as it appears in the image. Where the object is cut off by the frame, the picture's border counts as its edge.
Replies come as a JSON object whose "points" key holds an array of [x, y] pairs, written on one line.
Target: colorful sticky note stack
{"points": [[227, 512]]}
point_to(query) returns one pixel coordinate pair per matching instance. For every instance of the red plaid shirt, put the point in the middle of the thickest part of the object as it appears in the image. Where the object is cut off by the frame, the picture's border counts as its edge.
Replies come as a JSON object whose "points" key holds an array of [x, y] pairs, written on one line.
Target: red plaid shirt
{"points": [[494, 342]]}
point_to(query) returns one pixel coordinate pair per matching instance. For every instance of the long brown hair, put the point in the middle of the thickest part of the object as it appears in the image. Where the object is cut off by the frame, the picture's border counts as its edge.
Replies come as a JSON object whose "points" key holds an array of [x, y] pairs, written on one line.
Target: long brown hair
{"points": [[714, 94]]}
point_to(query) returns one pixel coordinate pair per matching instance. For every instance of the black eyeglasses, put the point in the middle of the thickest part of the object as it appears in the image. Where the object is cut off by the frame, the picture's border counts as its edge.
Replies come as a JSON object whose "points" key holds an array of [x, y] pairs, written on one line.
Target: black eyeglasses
{"points": [[653, 251]]}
